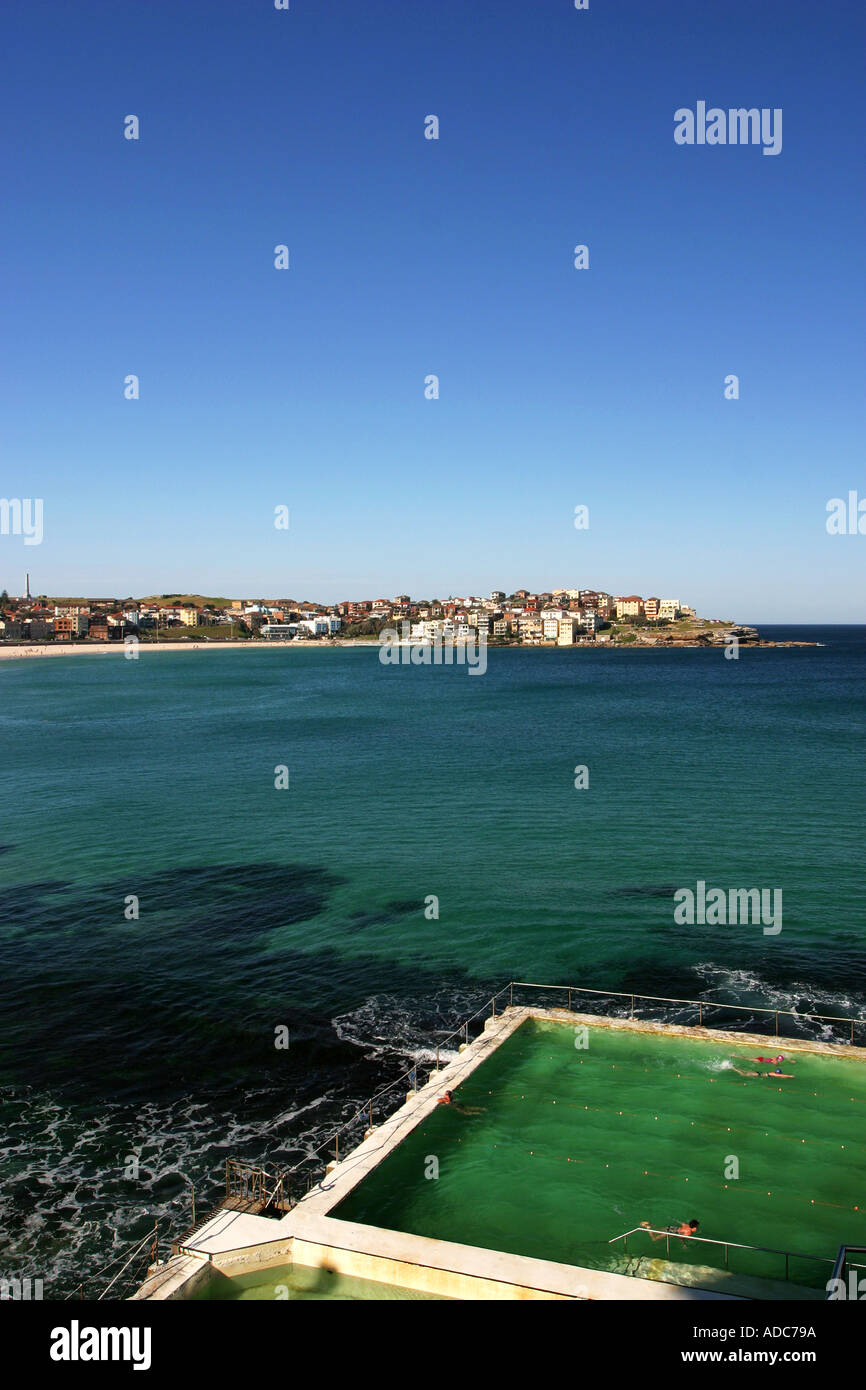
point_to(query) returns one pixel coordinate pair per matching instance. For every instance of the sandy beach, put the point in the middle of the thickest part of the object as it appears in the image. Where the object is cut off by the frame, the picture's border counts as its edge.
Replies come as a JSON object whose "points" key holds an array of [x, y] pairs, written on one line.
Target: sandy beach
{"points": [[145, 648]]}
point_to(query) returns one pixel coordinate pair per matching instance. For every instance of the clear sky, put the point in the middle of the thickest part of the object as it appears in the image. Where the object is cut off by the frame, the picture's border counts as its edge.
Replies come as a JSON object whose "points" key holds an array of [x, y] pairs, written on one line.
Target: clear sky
{"points": [[558, 387]]}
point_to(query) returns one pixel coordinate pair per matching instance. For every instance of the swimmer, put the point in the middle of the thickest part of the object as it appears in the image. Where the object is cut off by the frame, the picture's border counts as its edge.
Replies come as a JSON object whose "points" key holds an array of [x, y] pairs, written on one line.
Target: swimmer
{"points": [[779, 1058], [785, 1075], [681, 1229], [448, 1099]]}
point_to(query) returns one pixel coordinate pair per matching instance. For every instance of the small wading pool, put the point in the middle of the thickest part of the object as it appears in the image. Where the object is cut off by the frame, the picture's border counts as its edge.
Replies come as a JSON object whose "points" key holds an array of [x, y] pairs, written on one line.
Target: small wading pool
{"points": [[288, 1282], [552, 1150]]}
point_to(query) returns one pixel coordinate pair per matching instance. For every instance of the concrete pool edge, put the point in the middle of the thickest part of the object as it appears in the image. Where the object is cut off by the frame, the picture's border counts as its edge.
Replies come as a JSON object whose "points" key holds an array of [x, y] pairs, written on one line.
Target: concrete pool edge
{"points": [[308, 1234]]}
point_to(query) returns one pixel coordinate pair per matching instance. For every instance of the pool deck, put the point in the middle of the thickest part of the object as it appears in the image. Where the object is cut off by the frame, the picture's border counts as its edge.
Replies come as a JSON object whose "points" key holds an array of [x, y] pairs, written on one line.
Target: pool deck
{"points": [[237, 1242]]}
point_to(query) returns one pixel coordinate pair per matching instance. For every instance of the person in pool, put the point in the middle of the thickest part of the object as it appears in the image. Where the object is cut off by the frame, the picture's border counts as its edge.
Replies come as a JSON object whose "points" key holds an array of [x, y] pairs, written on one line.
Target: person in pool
{"points": [[777, 1071], [448, 1099], [679, 1228], [779, 1058]]}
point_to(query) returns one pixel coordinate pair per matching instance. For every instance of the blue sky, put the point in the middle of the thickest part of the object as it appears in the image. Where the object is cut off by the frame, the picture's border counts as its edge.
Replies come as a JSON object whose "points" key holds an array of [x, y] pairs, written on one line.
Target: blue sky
{"points": [[408, 257]]}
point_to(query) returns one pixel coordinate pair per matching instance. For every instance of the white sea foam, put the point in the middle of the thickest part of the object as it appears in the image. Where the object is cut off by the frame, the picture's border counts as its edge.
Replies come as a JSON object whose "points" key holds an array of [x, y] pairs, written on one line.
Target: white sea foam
{"points": [[384, 1026], [747, 987]]}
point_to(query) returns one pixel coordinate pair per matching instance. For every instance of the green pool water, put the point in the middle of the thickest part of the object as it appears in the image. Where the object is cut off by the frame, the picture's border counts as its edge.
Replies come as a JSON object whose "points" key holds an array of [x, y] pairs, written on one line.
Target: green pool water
{"points": [[556, 1149], [291, 1282]]}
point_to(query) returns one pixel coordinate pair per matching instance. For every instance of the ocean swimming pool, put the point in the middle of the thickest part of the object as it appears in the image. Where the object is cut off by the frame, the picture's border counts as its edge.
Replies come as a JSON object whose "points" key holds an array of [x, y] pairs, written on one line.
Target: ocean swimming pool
{"points": [[554, 1149]]}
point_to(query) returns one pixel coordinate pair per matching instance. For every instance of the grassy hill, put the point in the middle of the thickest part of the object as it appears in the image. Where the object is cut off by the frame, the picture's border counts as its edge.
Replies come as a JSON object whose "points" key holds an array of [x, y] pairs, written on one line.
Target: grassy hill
{"points": [[187, 600]]}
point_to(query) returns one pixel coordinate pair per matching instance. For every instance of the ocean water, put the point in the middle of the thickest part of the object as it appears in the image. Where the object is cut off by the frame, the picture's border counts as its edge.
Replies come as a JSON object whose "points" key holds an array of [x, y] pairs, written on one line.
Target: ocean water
{"points": [[137, 1055]]}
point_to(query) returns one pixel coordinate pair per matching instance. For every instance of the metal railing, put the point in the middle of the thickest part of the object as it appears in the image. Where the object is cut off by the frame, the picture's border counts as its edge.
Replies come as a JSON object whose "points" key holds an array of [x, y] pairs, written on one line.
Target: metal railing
{"points": [[150, 1257], [249, 1187], [252, 1185], [373, 1106], [728, 1245], [703, 1007], [841, 1267]]}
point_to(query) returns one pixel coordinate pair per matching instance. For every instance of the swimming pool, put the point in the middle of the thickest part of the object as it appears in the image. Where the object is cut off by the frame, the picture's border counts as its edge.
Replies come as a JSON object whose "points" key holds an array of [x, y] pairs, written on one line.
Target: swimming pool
{"points": [[554, 1148]]}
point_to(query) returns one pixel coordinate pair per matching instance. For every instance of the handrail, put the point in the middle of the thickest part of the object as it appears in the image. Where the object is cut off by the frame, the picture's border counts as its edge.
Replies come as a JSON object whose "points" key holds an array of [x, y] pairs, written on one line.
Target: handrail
{"points": [[671, 999], [249, 1182], [738, 1245], [841, 1264], [151, 1236], [700, 1004], [734, 1244], [411, 1073]]}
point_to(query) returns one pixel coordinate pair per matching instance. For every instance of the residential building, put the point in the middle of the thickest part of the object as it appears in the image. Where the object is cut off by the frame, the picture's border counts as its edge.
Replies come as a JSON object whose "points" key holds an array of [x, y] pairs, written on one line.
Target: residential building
{"points": [[71, 610], [604, 605], [631, 606], [71, 625]]}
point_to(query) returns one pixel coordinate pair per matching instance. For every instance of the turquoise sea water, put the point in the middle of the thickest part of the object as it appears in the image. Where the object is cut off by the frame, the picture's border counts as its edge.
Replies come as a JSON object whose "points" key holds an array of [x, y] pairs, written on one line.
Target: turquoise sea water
{"points": [[154, 1039]]}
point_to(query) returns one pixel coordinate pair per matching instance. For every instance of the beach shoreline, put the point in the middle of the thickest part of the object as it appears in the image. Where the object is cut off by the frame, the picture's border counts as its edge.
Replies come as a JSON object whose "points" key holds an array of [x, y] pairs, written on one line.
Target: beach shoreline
{"points": [[132, 653], [34, 649]]}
